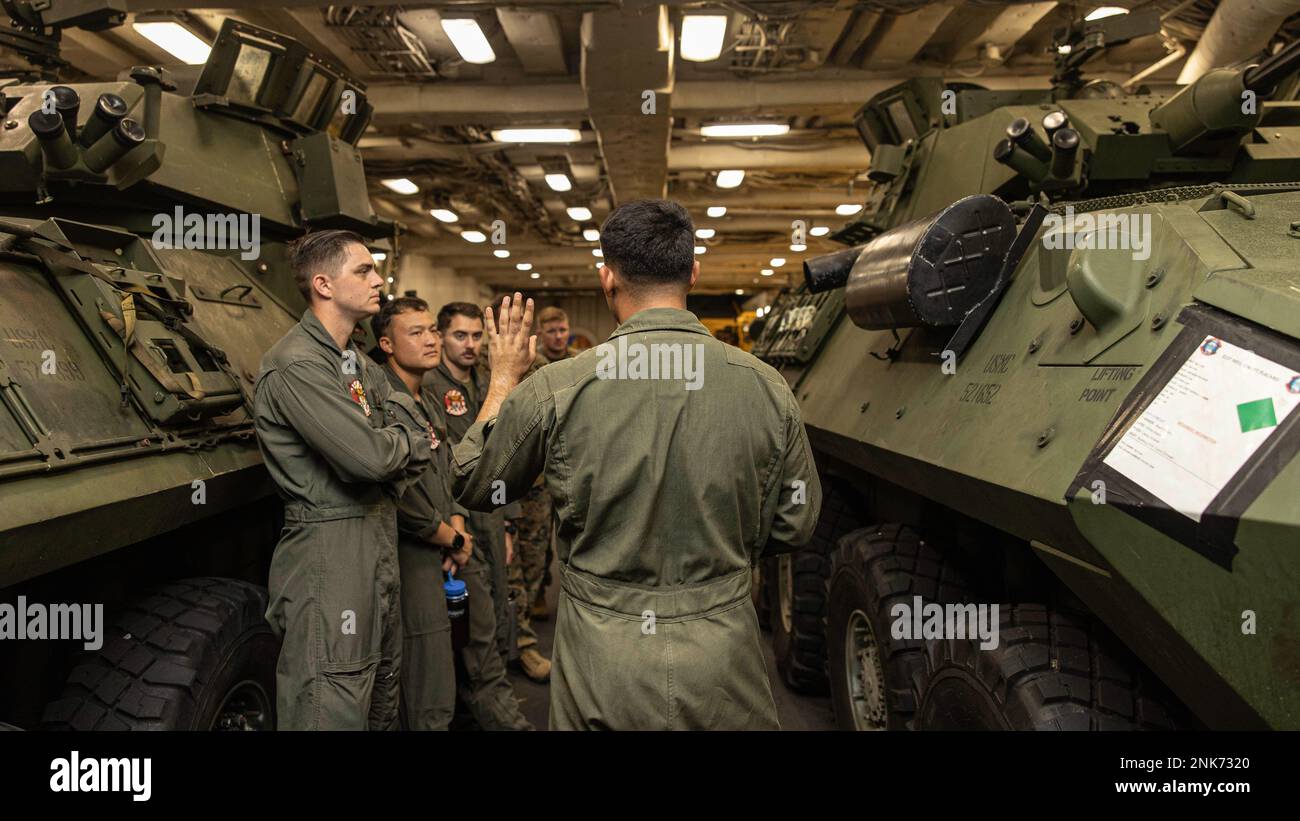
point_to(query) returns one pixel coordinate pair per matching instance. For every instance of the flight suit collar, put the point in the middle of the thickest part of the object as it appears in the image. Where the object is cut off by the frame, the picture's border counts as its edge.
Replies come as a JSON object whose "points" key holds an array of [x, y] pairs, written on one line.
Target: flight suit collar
{"points": [[399, 385], [475, 374], [312, 325], [661, 319]]}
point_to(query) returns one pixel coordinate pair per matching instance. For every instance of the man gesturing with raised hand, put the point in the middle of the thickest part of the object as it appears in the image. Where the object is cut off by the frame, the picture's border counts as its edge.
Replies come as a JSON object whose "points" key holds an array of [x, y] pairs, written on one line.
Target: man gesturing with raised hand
{"points": [[675, 462]]}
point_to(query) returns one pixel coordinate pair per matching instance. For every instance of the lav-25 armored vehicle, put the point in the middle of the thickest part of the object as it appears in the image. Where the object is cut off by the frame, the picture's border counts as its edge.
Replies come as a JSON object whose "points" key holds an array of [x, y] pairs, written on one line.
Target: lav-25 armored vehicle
{"points": [[143, 225], [1090, 366]]}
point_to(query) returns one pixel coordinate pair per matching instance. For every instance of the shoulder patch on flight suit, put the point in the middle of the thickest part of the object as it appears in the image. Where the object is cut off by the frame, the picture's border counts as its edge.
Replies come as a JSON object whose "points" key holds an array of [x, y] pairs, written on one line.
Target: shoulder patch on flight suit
{"points": [[359, 395], [454, 401]]}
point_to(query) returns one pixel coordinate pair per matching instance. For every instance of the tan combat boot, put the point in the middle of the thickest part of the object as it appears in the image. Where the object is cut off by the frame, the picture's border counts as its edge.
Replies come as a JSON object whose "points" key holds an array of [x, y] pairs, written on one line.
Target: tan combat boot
{"points": [[536, 666]]}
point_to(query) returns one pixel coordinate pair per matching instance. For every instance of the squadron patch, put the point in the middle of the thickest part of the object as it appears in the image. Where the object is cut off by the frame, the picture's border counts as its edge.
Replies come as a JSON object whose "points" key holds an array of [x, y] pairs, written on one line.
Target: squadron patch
{"points": [[454, 401], [359, 395], [434, 441]]}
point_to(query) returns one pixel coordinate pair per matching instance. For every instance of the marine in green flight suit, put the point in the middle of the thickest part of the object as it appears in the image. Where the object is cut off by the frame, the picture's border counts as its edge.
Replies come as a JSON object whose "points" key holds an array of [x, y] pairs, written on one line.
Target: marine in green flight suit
{"points": [[427, 544], [460, 383], [675, 463], [340, 459], [429, 521]]}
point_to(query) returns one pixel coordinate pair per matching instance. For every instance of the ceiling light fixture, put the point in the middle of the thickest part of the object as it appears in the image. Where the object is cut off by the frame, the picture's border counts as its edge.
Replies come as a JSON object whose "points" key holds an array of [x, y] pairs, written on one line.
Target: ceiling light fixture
{"points": [[716, 211], [443, 215], [819, 231], [596, 252], [702, 36], [559, 182], [501, 253], [176, 40], [847, 209], [535, 275], [473, 236], [524, 266], [379, 256], [590, 234], [578, 213], [705, 233], [737, 130], [1103, 12], [731, 178], [401, 185], [767, 272], [537, 135], [776, 262], [798, 248], [469, 40], [699, 249]]}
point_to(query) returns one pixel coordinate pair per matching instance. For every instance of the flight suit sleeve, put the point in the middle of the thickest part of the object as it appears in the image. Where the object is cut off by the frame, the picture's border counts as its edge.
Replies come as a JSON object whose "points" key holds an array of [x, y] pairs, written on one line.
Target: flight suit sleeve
{"points": [[799, 491], [310, 399], [509, 448], [417, 514]]}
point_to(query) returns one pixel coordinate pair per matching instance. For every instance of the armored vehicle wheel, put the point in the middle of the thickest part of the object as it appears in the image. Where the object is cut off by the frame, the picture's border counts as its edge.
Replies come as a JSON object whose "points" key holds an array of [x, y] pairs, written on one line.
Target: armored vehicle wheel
{"points": [[1050, 671], [797, 597], [876, 681], [195, 654]]}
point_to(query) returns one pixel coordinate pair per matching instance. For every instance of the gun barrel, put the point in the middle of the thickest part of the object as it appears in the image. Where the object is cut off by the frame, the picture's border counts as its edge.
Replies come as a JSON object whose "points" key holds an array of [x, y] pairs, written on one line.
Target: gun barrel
{"points": [[1264, 78], [830, 271]]}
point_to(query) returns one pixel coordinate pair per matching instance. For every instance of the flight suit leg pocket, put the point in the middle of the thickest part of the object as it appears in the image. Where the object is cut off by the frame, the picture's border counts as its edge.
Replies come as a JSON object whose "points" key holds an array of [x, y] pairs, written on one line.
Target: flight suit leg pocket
{"points": [[345, 693]]}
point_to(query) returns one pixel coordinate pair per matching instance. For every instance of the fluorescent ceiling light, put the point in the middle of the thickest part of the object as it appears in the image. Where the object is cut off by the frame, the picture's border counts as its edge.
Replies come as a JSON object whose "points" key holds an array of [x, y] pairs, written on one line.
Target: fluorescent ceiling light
{"points": [[848, 209], [716, 211], [797, 248], [443, 215], [524, 266], [468, 39], [744, 130], [1065, 49], [176, 40], [767, 272], [740, 292], [390, 280], [379, 256], [559, 182], [596, 252], [501, 253], [702, 36], [699, 249], [578, 213], [705, 233], [473, 236], [401, 185], [731, 178], [776, 262], [390, 297], [600, 265], [1103, 12], [534, 275], [590, 234], [819, 230], [537, 135]]}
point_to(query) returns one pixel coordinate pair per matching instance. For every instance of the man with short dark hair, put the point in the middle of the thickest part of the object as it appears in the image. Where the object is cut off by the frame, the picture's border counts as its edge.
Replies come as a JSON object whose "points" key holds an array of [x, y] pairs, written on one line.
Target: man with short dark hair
{"points": [[339, 459], [460, 383], [675, 463], [433, 538]]}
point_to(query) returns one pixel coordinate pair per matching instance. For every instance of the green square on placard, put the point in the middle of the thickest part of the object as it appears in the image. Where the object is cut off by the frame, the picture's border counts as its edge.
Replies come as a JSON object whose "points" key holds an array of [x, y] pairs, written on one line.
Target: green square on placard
{"points": [[1256, 415]]}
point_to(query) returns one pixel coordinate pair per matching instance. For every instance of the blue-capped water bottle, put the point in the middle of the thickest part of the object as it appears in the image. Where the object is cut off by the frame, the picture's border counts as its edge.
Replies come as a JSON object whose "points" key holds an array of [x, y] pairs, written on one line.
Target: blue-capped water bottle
{"points": [[457, 611]]}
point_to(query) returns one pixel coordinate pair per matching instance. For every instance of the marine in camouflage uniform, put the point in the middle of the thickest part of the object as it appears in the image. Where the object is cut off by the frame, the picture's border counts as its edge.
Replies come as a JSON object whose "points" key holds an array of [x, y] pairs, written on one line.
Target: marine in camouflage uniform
{"points": [[528, 572]]}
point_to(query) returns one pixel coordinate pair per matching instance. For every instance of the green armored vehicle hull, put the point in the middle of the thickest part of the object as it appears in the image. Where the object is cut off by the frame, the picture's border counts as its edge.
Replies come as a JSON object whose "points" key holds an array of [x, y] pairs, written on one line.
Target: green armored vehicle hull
{"points": [[143, 232], [1097, 378]]}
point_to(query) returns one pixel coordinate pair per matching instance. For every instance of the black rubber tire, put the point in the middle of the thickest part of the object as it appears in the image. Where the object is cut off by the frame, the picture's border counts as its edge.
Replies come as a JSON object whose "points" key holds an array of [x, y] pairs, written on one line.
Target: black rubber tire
{"points": [[171, 658], [800, 650], [1050, 671], [873, 569]]}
